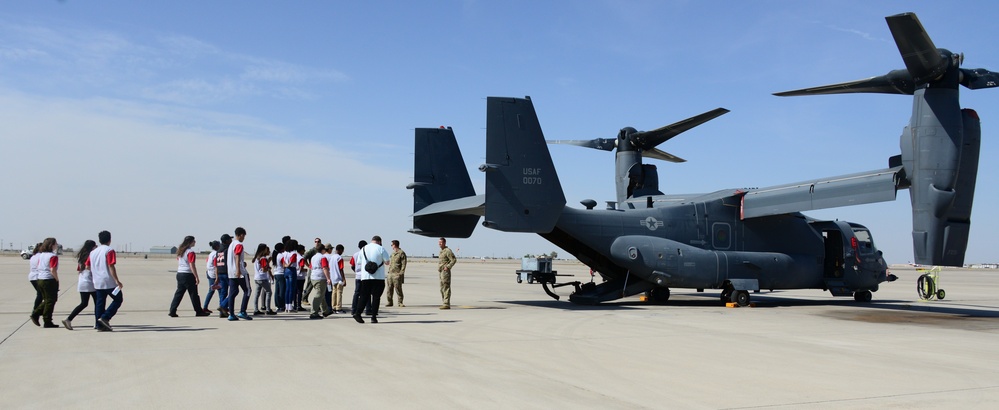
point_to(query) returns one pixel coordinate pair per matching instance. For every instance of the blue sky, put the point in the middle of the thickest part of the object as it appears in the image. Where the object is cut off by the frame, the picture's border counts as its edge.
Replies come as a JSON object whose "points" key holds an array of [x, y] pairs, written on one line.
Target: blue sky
{"points": [[157, 120]]}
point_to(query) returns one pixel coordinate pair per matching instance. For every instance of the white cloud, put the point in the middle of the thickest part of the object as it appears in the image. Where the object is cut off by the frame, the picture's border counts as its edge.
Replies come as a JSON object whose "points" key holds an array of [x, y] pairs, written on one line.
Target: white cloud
{"points": [[177, 69], [86, 165], [864, 35]]}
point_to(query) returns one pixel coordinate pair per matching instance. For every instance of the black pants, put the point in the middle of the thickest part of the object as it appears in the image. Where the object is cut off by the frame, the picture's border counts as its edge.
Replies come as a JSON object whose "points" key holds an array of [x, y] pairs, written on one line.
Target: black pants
{"points": [[50, 294], [38, 295], [186, 283], [329, 295], [371, 294], [84, 302], [299, 288], [356, 300]]}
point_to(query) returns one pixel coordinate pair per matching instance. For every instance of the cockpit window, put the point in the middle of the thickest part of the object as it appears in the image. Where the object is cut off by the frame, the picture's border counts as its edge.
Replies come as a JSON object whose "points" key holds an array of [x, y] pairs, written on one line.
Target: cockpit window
{"points": [[864, 241]]}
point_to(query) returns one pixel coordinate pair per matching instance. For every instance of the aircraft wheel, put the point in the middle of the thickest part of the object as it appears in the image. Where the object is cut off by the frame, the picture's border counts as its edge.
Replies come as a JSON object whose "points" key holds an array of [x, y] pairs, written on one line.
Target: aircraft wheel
{"points": [[741, 298], [659, 295], [941, 294], [726, 295], [862, 296]]}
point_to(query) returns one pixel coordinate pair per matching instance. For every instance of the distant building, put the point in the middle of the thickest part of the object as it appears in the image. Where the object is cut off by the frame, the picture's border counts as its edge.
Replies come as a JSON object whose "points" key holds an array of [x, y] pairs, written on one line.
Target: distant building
{"points": [[163, 250]]}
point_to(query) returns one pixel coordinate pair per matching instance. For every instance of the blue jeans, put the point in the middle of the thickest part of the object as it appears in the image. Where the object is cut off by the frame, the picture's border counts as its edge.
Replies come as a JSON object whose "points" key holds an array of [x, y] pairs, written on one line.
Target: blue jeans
{"points": [[290, 278], [235, 284], [102, 296], [279, 285], [224, 291], [208, 298]]}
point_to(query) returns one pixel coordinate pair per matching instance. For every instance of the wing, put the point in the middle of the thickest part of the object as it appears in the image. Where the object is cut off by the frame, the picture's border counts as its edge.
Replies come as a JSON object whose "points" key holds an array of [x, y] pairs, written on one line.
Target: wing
{"points": [[845, 190]]}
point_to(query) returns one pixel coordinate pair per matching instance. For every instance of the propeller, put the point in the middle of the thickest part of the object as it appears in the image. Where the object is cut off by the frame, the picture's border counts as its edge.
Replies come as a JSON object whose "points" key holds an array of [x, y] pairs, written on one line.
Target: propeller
{"points": [[979, 78], [921, 57], [646, 141], [924, 64], [603, 144]]}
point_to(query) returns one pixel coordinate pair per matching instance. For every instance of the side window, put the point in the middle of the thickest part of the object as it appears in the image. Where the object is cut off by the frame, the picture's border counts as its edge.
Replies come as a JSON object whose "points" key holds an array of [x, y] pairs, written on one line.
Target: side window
{"points": [[721, 235], [864, 241]]}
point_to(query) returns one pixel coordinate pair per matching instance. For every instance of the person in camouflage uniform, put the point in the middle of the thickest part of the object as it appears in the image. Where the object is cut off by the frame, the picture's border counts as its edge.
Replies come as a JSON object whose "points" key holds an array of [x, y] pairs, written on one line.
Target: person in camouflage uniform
{"points": [[446, 261], [396, 273]]}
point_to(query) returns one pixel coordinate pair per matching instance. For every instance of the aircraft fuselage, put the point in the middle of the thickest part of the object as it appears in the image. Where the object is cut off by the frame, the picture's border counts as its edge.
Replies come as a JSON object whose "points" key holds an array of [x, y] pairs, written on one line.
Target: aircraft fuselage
{"points": [[704, 244]]}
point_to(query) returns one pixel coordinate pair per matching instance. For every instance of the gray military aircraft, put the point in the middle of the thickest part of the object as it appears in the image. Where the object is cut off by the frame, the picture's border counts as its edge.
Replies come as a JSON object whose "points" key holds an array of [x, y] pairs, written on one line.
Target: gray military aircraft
{"points": [[734, 240]]}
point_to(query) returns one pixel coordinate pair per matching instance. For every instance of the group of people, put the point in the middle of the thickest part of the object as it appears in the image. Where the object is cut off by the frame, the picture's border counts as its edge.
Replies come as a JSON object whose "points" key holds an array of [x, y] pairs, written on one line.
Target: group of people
{"points": [[296, 274], [98, 281]]}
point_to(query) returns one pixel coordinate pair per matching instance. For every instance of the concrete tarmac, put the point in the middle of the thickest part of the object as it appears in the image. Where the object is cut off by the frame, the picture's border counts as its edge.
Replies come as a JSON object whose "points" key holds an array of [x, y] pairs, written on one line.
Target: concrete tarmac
{"points": [[508, 345]]}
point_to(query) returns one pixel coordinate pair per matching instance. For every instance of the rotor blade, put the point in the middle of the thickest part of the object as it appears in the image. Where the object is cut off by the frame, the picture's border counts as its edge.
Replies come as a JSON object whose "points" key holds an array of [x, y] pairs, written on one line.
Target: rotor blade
{"points": [[604, 144], [895, 82], [647, 140], [976, 78], [918, 52], [660, 154]]}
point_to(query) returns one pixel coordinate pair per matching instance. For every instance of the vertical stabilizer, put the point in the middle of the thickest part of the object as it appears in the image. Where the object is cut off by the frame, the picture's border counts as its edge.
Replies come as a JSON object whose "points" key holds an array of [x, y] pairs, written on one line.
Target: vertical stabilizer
{"points": [[439, 175], [523, 193]]}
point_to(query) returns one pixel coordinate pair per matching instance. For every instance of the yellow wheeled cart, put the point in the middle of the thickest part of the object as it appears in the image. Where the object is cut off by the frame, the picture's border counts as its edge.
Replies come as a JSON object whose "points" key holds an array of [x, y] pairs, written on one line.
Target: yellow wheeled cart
{"points": [[928, 284]]}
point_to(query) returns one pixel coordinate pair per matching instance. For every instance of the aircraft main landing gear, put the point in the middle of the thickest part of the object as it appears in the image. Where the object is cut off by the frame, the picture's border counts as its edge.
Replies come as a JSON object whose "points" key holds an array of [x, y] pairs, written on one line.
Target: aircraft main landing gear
{"points": [[740, 297], [658, 295], [862, 296]]}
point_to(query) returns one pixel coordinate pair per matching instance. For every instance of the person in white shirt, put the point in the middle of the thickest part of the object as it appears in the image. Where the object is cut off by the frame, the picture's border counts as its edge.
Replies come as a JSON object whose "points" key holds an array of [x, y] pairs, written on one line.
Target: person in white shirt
{"points": [[187, 278], [85, 284], [374, 257], [355, 265], [238, 276], [319, 274], [33, 277], [210, 272], [334, 298], [289, 262], [47, 266], [263, 277], [106, 282], [278, 274], [300, 279]]}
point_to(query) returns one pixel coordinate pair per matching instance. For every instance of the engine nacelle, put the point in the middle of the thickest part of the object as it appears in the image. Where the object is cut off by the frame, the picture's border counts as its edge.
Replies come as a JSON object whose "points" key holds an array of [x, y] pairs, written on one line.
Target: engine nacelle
{"points": [[940, 155]]}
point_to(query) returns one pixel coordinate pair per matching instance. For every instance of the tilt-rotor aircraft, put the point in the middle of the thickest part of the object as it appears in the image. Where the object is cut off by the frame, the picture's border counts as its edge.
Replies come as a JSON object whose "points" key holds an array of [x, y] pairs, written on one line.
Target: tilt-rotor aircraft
{"points": [[734, 240]]}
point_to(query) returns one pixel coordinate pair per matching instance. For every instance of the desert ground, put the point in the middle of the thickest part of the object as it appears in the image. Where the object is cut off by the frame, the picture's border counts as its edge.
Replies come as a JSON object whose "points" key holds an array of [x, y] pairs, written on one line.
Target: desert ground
{"points": [[508, 345]]}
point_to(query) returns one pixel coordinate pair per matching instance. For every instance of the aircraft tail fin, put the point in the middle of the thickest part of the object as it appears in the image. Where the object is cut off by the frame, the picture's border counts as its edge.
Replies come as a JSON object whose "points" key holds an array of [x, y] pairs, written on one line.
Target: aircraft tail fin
{"points": [[523, 192], [444, 201]]}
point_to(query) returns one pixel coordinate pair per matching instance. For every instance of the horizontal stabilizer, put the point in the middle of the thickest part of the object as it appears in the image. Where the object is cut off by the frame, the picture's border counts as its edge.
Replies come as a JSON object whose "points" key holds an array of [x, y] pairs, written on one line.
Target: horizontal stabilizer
{"points": [[469, 205], [854, 189]]}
